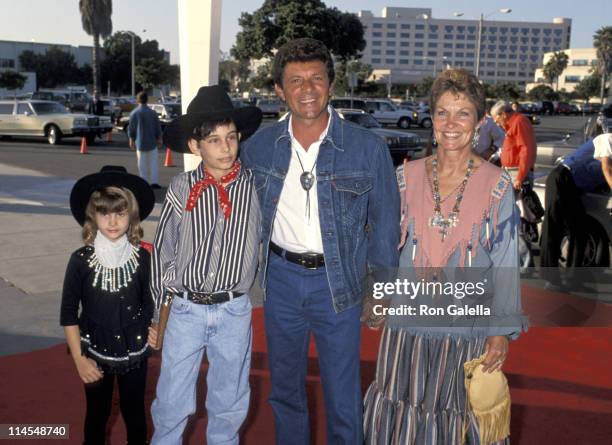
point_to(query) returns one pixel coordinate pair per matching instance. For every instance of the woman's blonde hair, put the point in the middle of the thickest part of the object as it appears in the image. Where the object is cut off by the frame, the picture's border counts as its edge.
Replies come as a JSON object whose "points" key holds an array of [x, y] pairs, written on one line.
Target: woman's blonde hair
{"points": [[112, 200]]}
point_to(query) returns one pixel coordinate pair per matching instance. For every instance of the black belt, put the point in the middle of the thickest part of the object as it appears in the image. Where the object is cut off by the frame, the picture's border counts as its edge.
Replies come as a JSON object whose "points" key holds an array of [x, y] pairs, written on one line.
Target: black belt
{"points": [[309, 260], [209, 298]]}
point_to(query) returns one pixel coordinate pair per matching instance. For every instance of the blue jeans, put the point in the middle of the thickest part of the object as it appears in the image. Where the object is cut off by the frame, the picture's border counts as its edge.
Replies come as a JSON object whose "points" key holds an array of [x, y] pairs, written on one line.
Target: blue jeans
{"points": [[224, 332], [298, 302]]}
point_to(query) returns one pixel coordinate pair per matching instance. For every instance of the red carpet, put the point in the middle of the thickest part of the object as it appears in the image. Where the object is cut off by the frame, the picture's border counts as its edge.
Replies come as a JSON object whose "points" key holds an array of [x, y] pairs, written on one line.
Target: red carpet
{"points": [[561, 380]]}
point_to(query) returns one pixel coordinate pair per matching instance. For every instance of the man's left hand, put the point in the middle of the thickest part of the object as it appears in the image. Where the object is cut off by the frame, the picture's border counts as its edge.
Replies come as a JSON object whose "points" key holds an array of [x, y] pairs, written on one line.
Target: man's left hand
{"points": [[517, 184]]}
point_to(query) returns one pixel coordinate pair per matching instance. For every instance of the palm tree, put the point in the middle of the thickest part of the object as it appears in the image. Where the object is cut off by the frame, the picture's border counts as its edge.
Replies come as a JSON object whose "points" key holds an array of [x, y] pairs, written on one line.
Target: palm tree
{"points": [[96, 19], [555, 67], [602, 41]]}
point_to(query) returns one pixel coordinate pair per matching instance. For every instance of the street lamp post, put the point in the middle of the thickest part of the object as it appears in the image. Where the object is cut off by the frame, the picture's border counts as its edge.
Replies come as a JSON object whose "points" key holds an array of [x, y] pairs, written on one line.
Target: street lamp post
{"points": [[134, 60], [133, 63], [479, 40]]}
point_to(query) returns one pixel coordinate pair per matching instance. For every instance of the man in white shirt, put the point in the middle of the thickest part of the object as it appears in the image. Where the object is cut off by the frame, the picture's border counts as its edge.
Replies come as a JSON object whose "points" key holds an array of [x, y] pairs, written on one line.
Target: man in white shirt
{"points": [[330, 212]]}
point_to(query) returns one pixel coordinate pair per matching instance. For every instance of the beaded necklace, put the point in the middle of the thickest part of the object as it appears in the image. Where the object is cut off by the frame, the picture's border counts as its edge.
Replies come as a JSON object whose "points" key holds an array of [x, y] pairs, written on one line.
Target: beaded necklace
{"points": [[437, 220], [113, 278]]}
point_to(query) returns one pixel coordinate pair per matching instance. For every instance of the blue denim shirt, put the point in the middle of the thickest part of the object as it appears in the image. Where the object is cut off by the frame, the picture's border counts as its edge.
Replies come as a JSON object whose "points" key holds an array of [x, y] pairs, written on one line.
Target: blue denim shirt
{"points": [[357, 195]]}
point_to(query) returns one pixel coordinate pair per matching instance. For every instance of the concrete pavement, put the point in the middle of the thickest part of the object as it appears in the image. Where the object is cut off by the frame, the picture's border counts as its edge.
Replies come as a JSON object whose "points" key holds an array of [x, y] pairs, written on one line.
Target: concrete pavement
{"points": [[37, 236]]}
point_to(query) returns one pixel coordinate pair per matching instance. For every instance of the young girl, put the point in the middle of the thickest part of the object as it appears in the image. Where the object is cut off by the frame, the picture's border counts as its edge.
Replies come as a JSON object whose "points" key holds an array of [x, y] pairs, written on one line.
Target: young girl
{"points": [[109, 279]]}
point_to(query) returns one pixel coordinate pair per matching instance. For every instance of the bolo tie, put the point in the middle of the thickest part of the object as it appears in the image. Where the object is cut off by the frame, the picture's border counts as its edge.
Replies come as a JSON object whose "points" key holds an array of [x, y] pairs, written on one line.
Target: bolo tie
{"points": [[307, 180]]}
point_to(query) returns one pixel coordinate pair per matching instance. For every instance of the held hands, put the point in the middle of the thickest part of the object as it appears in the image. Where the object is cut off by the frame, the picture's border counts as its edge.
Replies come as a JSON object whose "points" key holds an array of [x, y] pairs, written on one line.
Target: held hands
{"points": [[152, 338], [88, 369], [496, 351], [368, 317]]}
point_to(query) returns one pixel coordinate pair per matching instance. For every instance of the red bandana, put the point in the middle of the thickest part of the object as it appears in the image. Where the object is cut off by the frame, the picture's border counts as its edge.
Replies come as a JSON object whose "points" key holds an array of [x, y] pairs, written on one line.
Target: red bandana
{"points": [[200, 186]]}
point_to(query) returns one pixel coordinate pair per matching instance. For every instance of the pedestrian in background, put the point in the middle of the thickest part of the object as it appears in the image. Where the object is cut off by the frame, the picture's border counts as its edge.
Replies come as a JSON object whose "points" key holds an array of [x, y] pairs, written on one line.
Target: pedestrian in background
{"points": [[519, 149], [587, 170], [96, 106], [144, 131], [490, 138]]}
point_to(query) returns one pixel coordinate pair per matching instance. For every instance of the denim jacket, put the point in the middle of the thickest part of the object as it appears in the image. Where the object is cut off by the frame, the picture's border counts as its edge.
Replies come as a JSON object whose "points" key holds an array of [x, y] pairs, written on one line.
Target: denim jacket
{"points": [[358, 201]]}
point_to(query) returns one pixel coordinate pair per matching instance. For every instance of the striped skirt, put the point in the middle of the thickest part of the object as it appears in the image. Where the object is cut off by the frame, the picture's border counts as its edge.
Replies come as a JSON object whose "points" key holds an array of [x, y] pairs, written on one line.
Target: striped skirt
{"points": [[418, 396]]}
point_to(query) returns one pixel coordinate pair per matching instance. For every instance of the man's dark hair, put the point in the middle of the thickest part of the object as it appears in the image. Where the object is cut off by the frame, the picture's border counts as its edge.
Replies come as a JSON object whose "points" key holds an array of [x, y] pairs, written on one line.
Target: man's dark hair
{"points": [[301, 50], [142, 97]]}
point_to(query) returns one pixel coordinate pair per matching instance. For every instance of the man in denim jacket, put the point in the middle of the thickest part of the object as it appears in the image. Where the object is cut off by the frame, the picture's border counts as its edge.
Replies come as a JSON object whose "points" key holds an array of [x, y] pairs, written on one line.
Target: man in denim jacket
{"points": [[330, 214]]}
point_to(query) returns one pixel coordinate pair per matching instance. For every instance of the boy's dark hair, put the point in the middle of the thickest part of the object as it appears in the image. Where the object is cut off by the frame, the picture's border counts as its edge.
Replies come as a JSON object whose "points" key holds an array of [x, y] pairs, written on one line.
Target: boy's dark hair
{"points": [[301, 50], [203, 130], [142, 97]]}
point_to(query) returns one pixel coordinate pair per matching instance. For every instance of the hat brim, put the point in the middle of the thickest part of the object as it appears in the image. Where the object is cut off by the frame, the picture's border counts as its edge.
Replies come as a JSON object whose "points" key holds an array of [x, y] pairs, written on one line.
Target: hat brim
{"points": [[180, 130], [84, 187]]}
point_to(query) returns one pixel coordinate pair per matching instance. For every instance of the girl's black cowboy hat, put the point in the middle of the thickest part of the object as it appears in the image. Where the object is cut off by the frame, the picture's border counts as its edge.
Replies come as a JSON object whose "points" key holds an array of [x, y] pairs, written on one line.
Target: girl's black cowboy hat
{"points": [[211, 102], [110, 176]]}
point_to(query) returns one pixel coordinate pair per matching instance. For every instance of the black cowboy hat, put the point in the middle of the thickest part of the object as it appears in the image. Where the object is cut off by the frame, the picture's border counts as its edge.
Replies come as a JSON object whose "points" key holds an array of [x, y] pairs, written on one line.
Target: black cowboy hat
{"points": [[110, 176], [211, 102]]}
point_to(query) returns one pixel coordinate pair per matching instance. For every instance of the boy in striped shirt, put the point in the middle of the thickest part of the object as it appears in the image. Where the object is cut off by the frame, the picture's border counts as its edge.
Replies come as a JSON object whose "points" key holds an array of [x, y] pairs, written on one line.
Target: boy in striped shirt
{"points": [[205, 259]]}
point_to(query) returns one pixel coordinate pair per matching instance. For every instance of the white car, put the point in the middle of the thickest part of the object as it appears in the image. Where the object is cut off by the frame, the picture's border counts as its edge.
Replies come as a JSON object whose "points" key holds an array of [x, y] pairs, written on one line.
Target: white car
{"points": [[49, 119], [387, 113]]}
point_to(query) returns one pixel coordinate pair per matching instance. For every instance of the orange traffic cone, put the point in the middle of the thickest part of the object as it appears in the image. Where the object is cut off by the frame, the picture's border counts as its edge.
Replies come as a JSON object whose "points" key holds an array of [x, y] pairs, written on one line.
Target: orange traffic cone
{"points": [[109, 136], [84, 146], [168, 161]]}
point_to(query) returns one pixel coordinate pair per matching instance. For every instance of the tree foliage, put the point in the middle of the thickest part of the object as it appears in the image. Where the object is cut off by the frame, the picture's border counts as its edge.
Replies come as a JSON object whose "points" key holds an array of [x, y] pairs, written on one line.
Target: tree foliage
{"points": [[263, 78], [588, 87], [602, 41], [233, 73], [116, 66], [279, 21], [96, 21], [54, 68], [12, 80], [151, 72], [504, 90], [555, 66], [542, 92], [343, 70]]}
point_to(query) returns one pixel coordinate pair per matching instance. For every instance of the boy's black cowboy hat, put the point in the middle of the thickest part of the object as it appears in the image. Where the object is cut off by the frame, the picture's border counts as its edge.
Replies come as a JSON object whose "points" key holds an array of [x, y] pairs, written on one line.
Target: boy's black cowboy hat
{"points": [[110, 175], [211, 102]]}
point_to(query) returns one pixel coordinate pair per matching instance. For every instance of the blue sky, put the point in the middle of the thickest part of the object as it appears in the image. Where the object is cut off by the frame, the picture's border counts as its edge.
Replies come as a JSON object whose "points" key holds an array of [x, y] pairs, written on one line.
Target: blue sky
{"points": [[58, 21]]}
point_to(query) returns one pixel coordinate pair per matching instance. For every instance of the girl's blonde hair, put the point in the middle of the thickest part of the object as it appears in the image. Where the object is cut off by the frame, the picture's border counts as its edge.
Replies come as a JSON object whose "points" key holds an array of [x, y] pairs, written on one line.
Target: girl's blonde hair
{"points": [[112, 200]]}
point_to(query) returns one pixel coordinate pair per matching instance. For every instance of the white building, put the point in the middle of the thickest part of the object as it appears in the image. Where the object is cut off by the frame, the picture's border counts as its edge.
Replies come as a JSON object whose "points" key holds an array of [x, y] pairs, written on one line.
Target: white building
{"points": [[11, 50], [581, 63], [412, 44]]}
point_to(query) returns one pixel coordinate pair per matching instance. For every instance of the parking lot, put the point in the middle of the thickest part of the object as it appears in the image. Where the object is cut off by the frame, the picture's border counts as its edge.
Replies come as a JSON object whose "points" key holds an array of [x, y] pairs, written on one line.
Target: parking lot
{"points": [[64, 160]]}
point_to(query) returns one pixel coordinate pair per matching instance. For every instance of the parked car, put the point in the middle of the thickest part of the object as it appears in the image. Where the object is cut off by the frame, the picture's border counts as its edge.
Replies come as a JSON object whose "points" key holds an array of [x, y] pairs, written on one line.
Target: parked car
{"points": [[49, 95], [271, 107], [545, 107], [387, 113], [401, 144], [126, 104], [566, 109], [348, 103], [77, 98], [589, 108], [166, 113], [597, 225], [49, 119], [110, 108], [423, 117], [240, 103]]}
